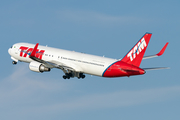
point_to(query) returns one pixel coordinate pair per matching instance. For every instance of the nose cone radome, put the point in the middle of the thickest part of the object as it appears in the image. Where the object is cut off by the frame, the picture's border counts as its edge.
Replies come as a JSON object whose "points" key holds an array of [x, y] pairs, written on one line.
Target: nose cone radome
{"points": [[9, 51]]}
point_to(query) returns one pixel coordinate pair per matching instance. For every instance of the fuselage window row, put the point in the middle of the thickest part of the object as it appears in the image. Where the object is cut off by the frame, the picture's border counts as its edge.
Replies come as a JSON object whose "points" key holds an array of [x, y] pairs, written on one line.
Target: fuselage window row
{"points": [[82, 61]]}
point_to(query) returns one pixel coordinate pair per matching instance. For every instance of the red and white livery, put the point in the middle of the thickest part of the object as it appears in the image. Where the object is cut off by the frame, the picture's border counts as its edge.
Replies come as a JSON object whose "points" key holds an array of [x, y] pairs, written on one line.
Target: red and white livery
{"points": [[75, 64]]}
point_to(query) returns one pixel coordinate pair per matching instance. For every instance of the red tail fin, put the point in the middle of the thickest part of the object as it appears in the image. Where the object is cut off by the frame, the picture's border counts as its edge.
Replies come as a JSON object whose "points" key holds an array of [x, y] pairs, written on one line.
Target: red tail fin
{"points": [[135, 55]]}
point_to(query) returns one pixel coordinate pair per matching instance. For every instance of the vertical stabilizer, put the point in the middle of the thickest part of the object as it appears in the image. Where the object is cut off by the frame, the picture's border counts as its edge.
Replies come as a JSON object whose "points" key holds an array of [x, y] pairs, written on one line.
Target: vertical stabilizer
{"points": [[135, 55]]}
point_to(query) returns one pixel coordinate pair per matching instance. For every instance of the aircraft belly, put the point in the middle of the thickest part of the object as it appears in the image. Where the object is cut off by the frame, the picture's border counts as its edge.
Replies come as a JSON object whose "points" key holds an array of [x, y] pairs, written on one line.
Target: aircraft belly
{"points": [[93, 70]]}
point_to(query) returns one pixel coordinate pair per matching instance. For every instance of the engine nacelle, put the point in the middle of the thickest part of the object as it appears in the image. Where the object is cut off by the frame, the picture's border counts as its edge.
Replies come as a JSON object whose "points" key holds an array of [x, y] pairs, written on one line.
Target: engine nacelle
{"points": [[38, 67]]}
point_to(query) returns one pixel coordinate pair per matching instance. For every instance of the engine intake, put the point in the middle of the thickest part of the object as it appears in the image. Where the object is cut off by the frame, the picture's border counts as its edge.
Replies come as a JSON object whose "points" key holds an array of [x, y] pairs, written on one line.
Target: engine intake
{"points": [[38, 67]]}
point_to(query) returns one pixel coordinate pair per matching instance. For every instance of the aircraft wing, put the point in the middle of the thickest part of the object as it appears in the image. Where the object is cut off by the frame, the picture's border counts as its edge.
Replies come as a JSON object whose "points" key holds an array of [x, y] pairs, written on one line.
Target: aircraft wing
{"points": [[54, 63], [57, 64], [159, 54]]}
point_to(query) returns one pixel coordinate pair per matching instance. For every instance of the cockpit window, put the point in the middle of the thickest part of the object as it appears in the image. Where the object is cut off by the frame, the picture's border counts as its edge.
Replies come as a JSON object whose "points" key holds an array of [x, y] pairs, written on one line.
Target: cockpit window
{"points": [[11, 46]]}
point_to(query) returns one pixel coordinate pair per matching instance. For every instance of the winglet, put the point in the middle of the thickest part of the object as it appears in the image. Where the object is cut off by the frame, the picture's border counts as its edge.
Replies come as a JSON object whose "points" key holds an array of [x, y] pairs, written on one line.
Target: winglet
{"points": [[159, 54], [163, 49], [34, 50]]}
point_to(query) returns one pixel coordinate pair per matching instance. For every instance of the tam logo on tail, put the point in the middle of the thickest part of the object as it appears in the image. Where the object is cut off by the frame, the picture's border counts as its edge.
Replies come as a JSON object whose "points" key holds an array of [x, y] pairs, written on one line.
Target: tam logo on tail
{"points": [[137, 49], [135, 55]]}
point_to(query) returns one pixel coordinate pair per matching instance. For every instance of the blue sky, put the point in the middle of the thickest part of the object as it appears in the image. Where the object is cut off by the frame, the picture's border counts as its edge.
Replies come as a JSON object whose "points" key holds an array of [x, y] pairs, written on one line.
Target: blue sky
{"points": [[101, 27]]}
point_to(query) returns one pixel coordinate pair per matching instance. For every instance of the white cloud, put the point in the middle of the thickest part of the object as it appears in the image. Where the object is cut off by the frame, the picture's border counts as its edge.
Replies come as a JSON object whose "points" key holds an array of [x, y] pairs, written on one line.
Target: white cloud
{"points": [[21, 85], [119, 99], [98, 18], [26, 93]]}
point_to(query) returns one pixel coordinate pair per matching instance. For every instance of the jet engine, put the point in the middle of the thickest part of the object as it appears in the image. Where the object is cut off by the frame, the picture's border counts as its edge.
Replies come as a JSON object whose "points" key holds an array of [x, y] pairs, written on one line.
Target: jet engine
{"points": [[38, 67]]}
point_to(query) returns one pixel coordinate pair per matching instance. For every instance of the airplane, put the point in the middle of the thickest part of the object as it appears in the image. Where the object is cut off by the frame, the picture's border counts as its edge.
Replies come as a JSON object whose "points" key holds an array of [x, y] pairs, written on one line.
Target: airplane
{"points": [[75, 64]]}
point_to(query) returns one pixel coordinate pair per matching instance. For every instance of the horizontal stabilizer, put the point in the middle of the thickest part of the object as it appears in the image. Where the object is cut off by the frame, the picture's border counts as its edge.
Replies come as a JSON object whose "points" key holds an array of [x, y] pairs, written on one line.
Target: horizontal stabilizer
{"points": [[156, 68], [159, 54]]}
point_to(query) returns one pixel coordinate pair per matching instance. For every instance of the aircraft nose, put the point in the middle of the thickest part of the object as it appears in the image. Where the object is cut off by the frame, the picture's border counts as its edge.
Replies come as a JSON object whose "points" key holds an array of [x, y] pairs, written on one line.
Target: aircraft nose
{"points": [[9, 51]]}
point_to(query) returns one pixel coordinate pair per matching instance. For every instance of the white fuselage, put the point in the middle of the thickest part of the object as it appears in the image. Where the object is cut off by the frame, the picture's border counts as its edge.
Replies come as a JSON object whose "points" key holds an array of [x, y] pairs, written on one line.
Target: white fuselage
{"points": [[85, 63]]}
